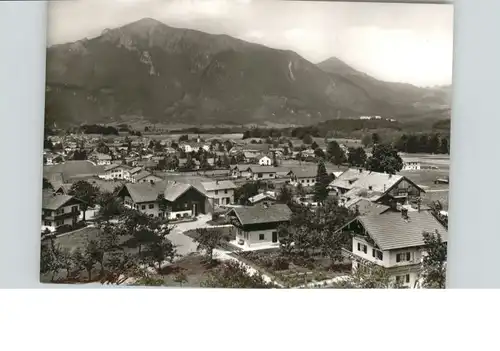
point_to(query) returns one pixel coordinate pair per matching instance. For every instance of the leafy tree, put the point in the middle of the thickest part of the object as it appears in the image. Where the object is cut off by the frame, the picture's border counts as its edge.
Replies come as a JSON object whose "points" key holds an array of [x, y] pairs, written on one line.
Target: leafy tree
{"points": [[102, 148], [190, 164], [160, 249], [136, 223], [335, 153], [233, 160], [245, 191], [67, 261], [444, 147], [46, 185], [434, 261], [85, 192], [375, 139], [50, 258], [357, 156], [85, 259], [385, 159], [322, 182], [285, 195], [233, 274], [319, 153], [368, 278], [109, 206], [80, 155], [184, 137], [208, 239], [307, 139], [275, 160], [226, 163], [228, 145], [433, 144], [120, 266]]}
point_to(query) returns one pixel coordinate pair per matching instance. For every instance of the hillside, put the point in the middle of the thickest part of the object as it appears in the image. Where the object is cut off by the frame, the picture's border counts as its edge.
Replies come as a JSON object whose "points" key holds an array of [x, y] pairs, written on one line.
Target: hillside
{"points": [[149, 70], [400, 95]]}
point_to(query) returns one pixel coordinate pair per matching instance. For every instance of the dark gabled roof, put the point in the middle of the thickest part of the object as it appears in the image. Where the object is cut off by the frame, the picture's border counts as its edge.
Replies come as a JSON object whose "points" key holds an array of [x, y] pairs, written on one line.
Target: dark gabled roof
{"points": [[148, 192], [141, 174], [54, 202], [306, 172], [262, 169], [262, 214], [366, 207], [260, 197], [391, 231], [218, 185], [71, 169]]}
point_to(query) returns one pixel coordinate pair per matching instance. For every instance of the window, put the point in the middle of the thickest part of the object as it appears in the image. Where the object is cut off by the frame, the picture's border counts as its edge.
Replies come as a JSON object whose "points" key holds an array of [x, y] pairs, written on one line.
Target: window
{"points": [[378, 254], [185, 205], [74, 209], [216, 192], [308, 180], [151, 206], [403, 257], [216, 201], [225, 191], [58, 223], [362, 247], [143, 207], [302, 181], [47, 223], [401, 279], [259, 175], [261, 236]]}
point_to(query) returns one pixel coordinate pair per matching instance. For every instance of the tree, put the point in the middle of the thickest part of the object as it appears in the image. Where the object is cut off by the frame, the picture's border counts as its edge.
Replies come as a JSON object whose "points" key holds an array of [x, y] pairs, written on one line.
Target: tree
{"points": [[234, 274], [384, 159], [307, 139], [434, 261], [136, 223], [285, 196], [109, 206], [366, 140], [180, 278], [357, 156], [160, 249], [86, 259], [184, 137], [85, 192], [314, 145], [319, 153], [322, 182], [335, 153], [208, 239], [67, 261], [46, 185], [368, 278], [444, 147], [50, 258], [226, 163], [375, 139], [245, 191], [120, 266], [228, 145], [275, 160], [190, 164]]}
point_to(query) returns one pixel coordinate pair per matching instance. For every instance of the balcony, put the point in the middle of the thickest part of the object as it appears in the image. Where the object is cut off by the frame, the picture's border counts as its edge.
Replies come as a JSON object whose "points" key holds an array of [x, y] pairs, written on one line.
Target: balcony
{"points": [[55, 217]]}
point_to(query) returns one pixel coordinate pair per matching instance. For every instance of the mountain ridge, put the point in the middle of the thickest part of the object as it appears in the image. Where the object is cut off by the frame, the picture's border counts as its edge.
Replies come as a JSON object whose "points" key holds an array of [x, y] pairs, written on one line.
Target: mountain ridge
{"points": [[166, 74]]}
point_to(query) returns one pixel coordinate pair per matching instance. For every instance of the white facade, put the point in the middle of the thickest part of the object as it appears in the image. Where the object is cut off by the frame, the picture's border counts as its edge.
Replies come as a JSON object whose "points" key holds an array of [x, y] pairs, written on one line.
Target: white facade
{"points": [[303, 181], [411, 166], [152, 209], [265, 161], [48, 221], [116, 173], [258, 237], [395, 260], [262, 175], [220, 197]]}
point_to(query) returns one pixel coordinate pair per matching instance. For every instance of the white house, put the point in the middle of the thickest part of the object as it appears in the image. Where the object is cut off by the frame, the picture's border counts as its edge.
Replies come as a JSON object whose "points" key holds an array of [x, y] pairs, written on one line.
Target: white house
{"points": [[261, 172], [393, 240], [240, 171], [411, 165], [58, 210], [219, 192], [257, 226], [101, 159], [265, 161], [304, 176]]}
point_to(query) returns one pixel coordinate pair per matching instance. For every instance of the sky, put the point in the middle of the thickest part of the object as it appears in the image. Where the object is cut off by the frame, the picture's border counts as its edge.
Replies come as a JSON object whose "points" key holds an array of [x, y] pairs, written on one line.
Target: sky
{"points": [[411, 43]]}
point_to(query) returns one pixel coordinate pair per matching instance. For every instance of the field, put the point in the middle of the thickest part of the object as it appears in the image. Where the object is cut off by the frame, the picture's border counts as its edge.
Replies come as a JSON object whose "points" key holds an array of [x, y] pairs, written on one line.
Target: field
{"points": [[193, 267]]}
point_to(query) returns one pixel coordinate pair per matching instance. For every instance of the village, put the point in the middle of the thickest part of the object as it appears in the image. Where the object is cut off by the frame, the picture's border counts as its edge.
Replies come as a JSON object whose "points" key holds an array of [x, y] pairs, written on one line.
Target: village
{"points": [[290, 212]]}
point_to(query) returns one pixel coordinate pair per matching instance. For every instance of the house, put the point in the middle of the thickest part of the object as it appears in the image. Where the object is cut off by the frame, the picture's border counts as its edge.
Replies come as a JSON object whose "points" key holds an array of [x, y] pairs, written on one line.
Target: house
{"points": [[393, 240], [266, 198], [164, 199], [58, 210], [265, 161], [70, 171], [250, 156], [116, 171], [374, 186], [305, 176], [240, 171], [261, 172], [144, 177], [219, 192], [257, 226], [411, 165], [101, 159]]}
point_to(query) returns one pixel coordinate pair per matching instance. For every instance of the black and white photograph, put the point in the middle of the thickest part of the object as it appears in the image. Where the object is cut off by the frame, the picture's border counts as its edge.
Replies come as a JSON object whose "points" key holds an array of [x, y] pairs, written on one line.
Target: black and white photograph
{"points": [[247, 144]]}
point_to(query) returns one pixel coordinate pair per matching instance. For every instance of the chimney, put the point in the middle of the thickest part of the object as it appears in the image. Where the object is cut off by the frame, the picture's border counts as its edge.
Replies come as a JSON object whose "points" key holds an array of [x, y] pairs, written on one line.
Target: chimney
{"points": [[217, 182], [151, 181]]}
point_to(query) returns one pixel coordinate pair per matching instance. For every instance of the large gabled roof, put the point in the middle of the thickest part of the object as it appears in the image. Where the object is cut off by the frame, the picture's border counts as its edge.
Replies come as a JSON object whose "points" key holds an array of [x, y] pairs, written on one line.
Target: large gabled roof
{"points": [[390, 230], [55, 201], [149, 192], [218, 185], [262, 214]]}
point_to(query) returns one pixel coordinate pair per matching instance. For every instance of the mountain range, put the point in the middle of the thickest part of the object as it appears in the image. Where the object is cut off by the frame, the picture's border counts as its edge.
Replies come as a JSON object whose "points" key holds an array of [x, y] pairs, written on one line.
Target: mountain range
{"points": [[149, 70]]}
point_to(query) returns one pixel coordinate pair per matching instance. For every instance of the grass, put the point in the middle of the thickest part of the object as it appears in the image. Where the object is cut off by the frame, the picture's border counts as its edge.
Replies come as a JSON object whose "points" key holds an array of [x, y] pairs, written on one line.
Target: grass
{"points": [[194, 267], [293, 273]]}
